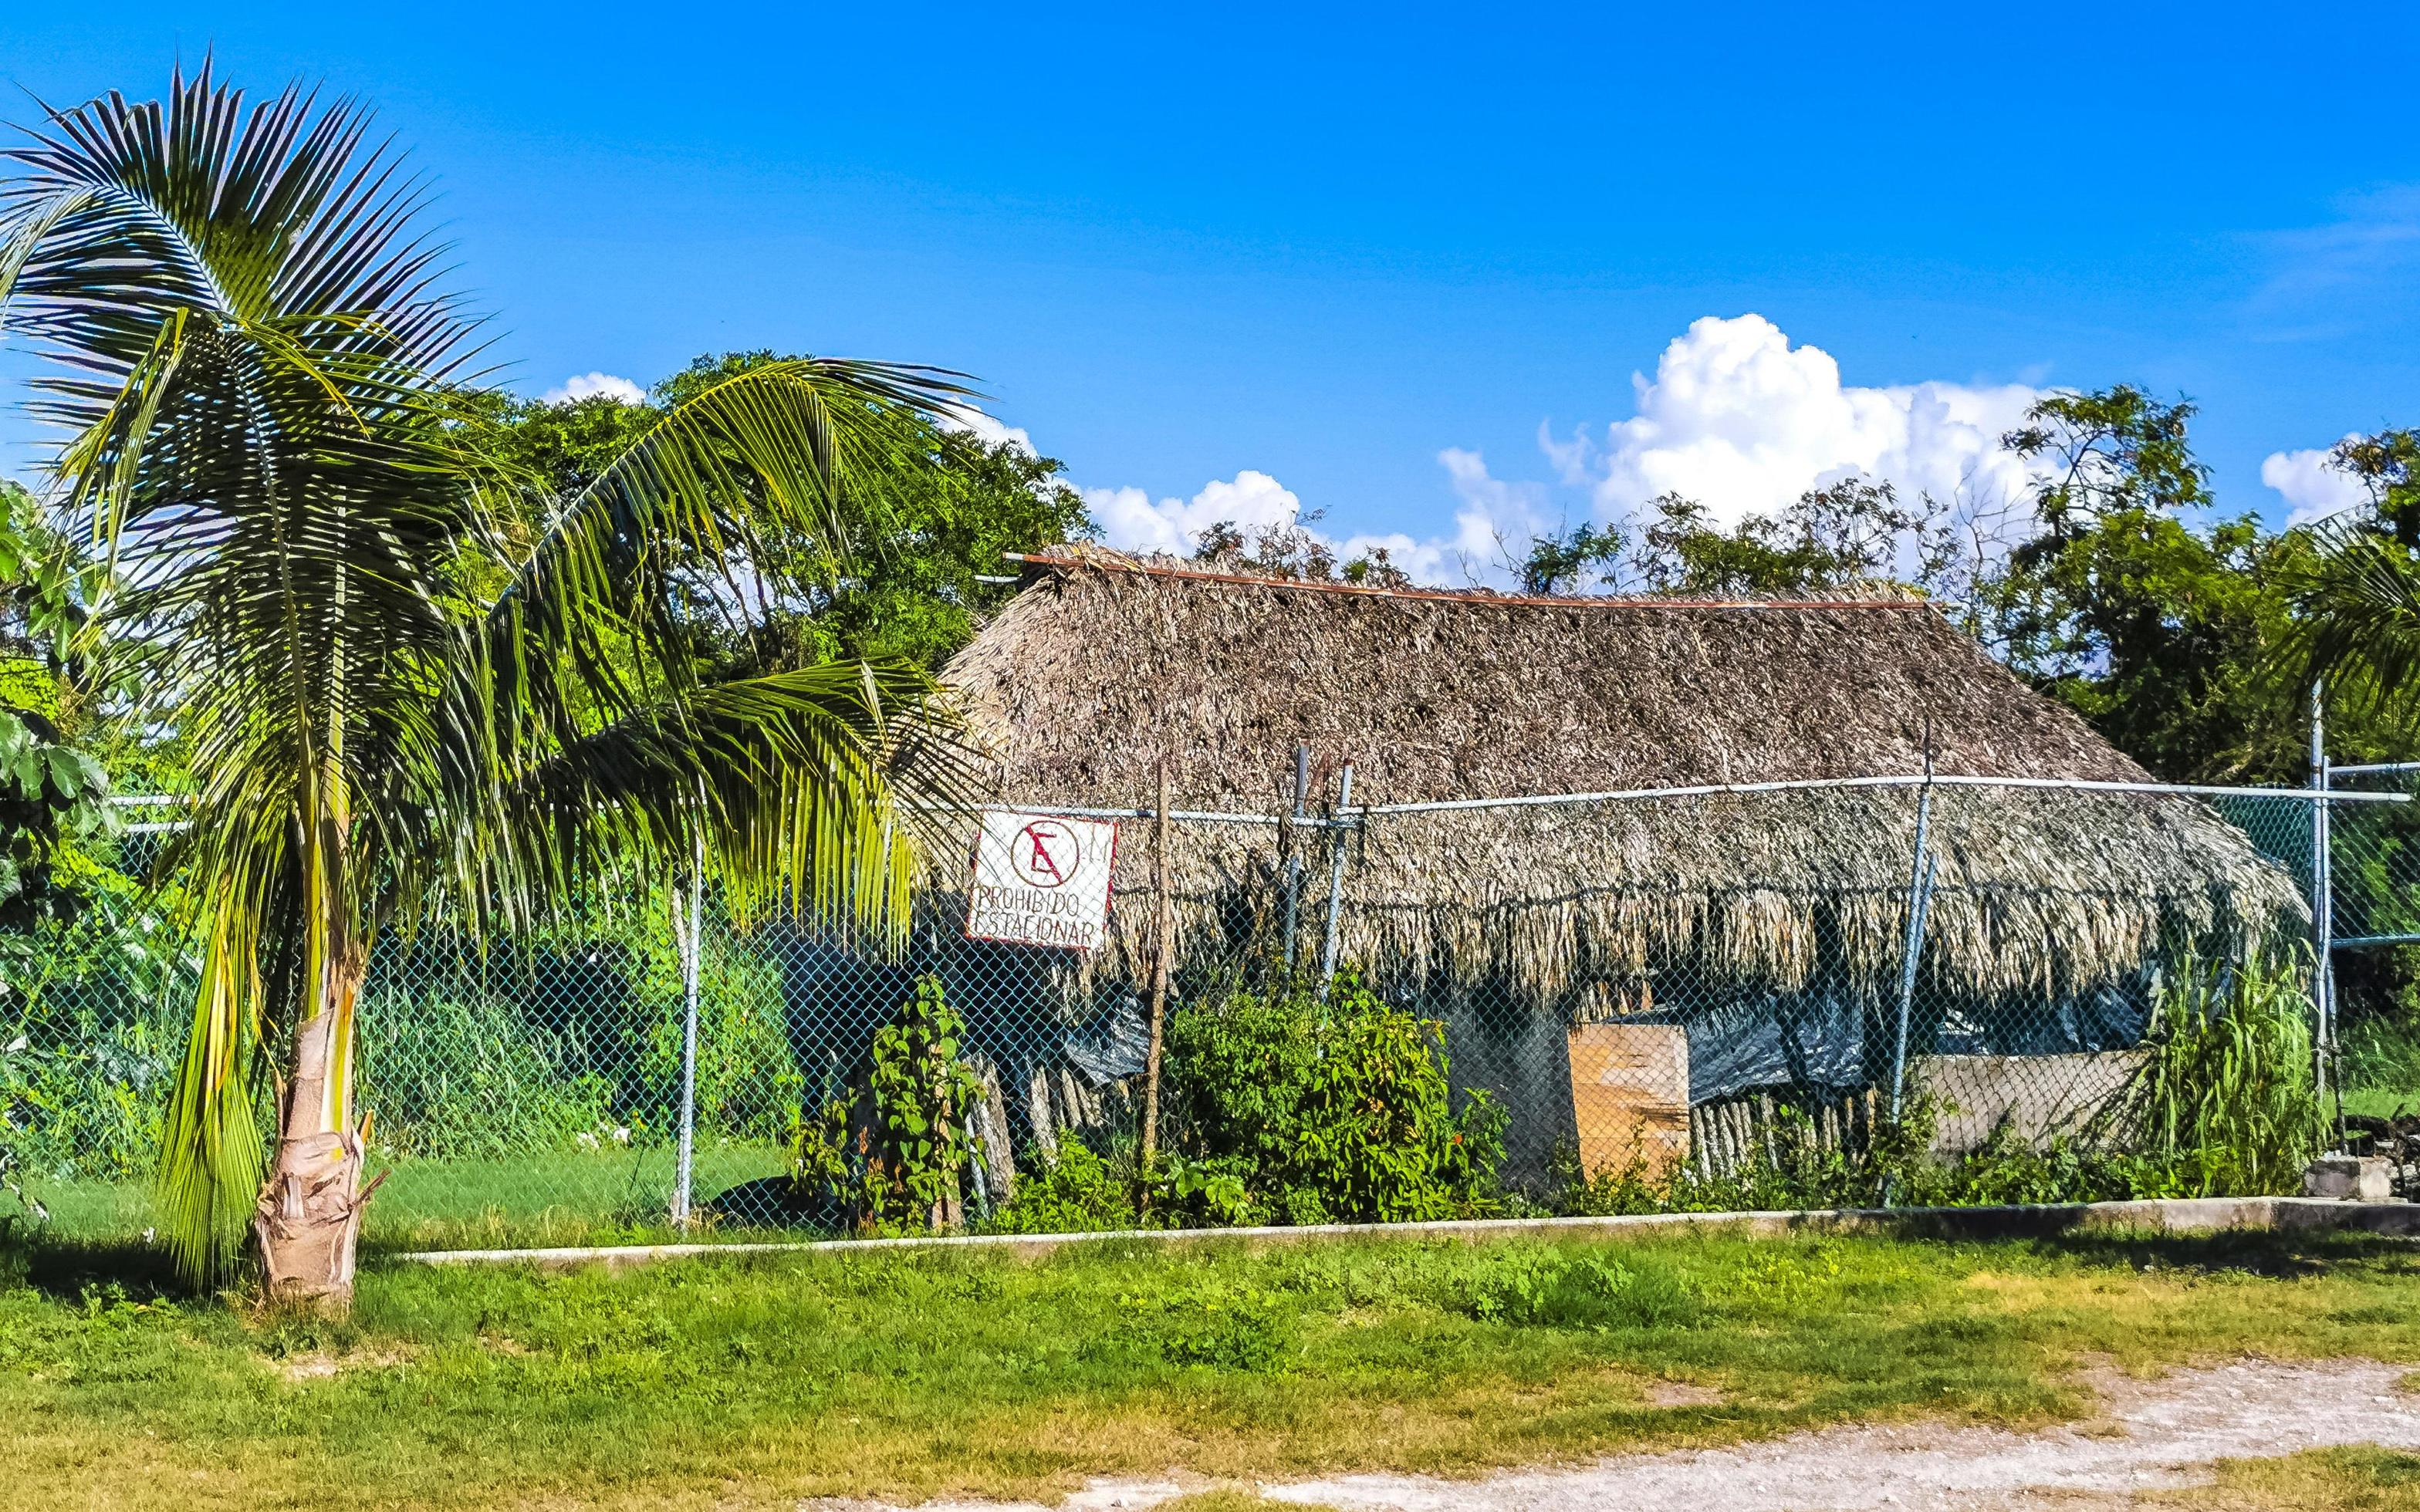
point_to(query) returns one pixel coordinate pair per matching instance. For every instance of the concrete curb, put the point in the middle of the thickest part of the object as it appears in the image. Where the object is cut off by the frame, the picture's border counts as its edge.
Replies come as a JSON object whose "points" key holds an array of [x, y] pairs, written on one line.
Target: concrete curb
{"points": [[2176, 1215]]}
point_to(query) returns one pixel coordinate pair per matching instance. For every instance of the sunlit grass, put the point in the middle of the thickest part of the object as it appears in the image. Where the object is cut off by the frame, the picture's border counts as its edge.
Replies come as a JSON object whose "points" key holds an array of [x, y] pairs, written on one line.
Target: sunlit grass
{"points": [[747, 1381]]}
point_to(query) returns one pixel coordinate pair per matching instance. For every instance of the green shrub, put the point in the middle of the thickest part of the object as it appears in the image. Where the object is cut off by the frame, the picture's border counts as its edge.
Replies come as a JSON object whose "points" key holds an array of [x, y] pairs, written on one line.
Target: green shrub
{"points": [[2381, 1058], [897, 1156], [1302, 1112], [1075, 1191]]}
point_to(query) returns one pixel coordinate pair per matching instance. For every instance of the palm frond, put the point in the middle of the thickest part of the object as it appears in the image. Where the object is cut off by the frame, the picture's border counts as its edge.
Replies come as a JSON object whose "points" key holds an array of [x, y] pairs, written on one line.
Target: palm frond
{"points": [[806, 790], [2356, 625]]}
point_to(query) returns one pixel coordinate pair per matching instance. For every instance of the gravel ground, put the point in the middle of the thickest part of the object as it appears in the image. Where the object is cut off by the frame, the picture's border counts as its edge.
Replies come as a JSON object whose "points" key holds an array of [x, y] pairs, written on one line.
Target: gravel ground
{"points": [[2151, 1434]]}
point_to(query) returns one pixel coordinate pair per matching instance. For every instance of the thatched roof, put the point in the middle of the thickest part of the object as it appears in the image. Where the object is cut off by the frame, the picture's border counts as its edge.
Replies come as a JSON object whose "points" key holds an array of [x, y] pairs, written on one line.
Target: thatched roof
{"points": [[1103, 665]]}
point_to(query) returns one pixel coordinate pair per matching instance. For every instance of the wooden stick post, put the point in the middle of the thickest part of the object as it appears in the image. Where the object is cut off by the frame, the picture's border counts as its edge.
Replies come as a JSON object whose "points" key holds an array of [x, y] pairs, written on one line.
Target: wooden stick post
{"points": [[1163, 948]]}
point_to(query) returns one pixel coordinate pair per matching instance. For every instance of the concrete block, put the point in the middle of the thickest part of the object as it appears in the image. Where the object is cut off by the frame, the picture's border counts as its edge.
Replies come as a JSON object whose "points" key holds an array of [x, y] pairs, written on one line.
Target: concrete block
{"points": [[2350, 1179]]}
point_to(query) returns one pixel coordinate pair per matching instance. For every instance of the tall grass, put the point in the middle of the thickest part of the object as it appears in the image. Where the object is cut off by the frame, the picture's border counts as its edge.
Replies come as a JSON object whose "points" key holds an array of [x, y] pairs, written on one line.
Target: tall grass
{"points": [[2225, 1102]]}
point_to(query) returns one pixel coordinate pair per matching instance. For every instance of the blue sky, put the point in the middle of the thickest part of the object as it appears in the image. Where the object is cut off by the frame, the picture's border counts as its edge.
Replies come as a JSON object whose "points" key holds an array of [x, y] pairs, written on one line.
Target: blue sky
{"points": [[1357, 259]]}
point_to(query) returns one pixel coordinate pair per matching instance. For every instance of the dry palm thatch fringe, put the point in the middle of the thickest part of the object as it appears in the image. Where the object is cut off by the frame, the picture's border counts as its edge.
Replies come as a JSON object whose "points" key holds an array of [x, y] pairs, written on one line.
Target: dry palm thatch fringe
{"points": [[1103, 663]]}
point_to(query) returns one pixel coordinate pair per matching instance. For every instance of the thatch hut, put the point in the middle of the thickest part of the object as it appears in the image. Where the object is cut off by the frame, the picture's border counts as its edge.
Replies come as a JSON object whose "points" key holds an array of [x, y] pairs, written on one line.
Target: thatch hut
{"points": [[1780, 915]]}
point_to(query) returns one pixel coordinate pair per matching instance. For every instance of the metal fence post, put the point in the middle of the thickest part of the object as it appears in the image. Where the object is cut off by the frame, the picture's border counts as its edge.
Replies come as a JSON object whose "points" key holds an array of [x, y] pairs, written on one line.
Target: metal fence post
{"points": [[1335, 881], [2322, 903], [1919, 898], [692, 942], [1289, 840]]}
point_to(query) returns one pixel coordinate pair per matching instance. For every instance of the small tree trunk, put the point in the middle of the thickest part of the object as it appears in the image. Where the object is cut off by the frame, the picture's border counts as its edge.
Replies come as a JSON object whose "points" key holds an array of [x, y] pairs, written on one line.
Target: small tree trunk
{"points": [[309, 1219]]}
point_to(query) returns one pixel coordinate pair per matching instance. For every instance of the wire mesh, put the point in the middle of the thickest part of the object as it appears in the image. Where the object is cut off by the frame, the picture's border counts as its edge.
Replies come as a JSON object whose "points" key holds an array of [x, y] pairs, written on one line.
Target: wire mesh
{"points": [[1713, 1000]]}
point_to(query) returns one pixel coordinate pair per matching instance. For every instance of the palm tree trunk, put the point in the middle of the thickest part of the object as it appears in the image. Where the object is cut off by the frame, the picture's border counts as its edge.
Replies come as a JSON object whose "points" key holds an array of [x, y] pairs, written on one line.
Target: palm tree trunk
{"points": [[309, 1218]]}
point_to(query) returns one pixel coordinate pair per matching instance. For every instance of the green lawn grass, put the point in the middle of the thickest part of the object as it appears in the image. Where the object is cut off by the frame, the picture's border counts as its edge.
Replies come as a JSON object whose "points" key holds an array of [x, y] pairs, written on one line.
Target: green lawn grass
{"points": [[746, 1381], [604, 1197], [2381, 1101]]}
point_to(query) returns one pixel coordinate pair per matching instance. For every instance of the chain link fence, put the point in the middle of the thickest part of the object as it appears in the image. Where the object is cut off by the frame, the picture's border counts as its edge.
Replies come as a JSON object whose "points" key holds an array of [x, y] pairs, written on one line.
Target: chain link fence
{"points": [[1796, 995]]}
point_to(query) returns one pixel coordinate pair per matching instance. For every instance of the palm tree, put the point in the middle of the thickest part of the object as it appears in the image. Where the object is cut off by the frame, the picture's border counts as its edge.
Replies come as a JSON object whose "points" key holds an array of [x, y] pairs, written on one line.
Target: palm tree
{"points": [[398, 708]]}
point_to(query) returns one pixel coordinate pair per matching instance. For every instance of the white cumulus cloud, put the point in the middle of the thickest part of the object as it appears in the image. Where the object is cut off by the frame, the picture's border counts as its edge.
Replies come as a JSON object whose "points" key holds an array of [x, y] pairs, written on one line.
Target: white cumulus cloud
{"points": [[2312, 487], [1491, 526], [593, 386], [1131, 521], [1740, 421]]}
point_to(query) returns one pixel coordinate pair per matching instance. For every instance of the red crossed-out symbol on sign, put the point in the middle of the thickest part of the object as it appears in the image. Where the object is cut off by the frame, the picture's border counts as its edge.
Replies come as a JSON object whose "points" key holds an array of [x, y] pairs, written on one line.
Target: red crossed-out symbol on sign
{"points": [[1044, 854]]}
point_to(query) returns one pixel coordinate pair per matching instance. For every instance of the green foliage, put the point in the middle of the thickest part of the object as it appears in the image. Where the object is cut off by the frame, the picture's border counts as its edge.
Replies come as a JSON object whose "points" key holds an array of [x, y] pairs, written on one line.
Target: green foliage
{"points": [[897, 1156], [1291, 548], [1851, 533], [448, 1074], [2226, 1102], [1072, 1191], [943, 509], [1324, 1112], [2115, 450], [1573, 560], [50, 794], [1848, 533], [2382, 1058]]}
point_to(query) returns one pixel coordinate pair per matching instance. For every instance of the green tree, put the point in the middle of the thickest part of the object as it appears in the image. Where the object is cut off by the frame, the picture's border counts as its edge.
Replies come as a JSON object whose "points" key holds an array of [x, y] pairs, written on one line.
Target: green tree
{"points": [[1854, 531], [2155, 628], [928, 555], [942, 511], [1572, 559], [2356, 589], [395, 712]]}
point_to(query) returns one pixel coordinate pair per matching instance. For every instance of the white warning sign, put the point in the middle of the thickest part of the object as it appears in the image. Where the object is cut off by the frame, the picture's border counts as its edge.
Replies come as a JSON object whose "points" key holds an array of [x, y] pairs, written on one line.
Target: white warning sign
{"points": [[1040, 880]]}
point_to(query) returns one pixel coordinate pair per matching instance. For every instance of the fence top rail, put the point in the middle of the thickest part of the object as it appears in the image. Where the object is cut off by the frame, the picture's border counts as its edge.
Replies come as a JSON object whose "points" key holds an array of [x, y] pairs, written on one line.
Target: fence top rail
{"points": [[1355, 812], [1913, 779], [2373, 768]]}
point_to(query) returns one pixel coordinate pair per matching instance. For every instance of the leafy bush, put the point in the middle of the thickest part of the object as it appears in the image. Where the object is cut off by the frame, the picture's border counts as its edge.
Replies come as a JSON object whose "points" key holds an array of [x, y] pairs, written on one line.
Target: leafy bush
{"points": [[1300, 1112], [896, 1156], [89, 1011], [1075, 1191]]}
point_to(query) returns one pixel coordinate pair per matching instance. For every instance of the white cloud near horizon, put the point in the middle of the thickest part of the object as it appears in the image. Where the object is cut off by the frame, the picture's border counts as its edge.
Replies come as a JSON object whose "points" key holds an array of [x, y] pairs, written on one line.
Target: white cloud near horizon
{"points": [[1131, 521], [594, 386], [1734, 417]]}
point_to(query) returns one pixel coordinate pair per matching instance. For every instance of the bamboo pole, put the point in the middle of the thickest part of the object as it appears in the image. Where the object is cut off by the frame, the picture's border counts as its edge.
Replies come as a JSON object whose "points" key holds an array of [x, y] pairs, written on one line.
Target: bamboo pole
{"points": [[1164, 948]]}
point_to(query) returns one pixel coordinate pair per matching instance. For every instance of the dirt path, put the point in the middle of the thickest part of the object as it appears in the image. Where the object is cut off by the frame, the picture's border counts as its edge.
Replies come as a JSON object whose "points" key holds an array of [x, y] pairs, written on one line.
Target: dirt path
{"points": [[2151, 1434]]}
